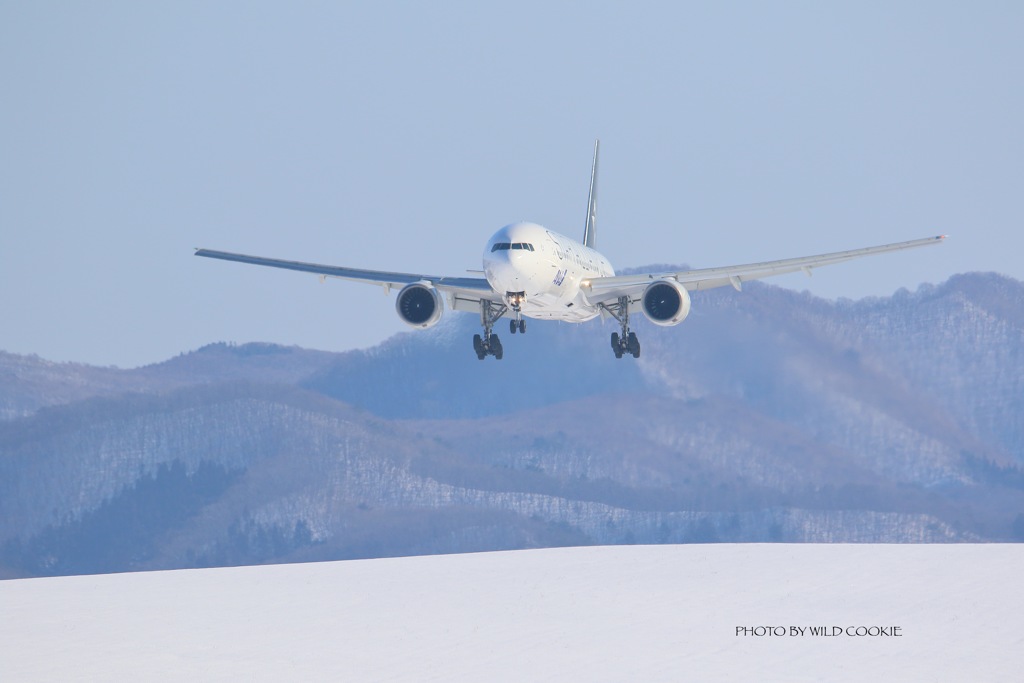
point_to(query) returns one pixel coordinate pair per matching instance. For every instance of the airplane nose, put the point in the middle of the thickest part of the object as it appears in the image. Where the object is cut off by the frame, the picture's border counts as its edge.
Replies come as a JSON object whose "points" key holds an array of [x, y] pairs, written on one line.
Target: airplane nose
{"points": [[501, 274], [509, 265]]}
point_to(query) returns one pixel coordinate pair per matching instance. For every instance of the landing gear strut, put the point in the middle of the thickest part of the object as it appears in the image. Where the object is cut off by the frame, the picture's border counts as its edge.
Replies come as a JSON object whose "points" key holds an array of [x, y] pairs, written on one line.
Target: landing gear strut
{"points": [[489, 344], [627, 341]]}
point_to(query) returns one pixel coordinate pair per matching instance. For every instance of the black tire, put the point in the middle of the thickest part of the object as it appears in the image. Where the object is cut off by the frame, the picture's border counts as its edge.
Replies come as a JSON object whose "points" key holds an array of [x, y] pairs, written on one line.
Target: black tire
{"points": [[634, 345], [512, 326], [522, 327], [616, 347]]}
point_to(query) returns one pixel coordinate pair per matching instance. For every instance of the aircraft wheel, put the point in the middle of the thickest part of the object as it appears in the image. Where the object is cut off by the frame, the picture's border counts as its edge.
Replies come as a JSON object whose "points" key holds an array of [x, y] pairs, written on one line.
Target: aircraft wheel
{"points": [[616, 347], [634, 345], [522, 327], [512, 326]]}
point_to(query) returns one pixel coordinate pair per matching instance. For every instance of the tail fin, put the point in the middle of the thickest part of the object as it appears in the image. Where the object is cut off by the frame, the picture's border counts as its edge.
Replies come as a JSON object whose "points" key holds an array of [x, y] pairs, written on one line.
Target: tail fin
{"points": [[590, 228]]}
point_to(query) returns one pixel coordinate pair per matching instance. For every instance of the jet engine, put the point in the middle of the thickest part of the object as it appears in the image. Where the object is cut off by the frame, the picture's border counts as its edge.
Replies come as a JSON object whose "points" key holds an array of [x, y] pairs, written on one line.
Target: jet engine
{"points": [[666, 302], [419, 305]]}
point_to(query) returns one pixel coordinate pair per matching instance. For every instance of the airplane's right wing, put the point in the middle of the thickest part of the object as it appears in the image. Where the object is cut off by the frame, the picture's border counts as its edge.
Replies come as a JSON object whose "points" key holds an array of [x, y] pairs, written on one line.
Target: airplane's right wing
{"points": [[465, 293], [603, 289]]}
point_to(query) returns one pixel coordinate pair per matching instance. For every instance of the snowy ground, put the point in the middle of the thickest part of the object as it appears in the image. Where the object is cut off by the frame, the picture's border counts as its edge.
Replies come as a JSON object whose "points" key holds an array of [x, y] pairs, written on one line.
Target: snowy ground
{"points": [[627, 613]]}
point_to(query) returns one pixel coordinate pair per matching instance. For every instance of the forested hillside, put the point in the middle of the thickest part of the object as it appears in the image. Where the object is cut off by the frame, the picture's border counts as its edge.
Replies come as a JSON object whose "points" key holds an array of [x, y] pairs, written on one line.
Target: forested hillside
{"points": [[768, 415]]}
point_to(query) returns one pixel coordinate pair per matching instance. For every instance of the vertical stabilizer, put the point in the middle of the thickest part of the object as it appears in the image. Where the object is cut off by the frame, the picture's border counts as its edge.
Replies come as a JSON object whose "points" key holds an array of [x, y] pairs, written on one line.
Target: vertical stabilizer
{"points": [[590, 228]]}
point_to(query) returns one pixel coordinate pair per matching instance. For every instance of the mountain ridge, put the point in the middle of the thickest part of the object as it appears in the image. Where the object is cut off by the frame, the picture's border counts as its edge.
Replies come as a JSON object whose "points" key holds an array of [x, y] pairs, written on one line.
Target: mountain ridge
{"points": [[768, 415]]}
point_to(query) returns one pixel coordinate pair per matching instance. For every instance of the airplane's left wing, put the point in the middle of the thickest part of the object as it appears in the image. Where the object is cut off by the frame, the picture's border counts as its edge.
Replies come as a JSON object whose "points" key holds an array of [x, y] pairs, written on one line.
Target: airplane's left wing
{"points": [[464, 293], [609, 288]]}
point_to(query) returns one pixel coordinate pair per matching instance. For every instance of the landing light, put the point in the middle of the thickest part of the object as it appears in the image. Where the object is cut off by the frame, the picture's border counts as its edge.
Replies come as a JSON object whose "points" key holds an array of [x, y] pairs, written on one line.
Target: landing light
{"points": [[515, 299]]}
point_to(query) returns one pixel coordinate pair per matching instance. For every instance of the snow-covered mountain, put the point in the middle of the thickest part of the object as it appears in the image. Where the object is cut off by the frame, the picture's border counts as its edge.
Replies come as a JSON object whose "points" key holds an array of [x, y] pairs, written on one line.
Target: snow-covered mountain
{"points": [[768, 415]]}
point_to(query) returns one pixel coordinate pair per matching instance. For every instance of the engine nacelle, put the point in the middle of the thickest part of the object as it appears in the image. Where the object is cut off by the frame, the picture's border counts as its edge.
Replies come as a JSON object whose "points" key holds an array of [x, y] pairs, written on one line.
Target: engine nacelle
{"points": [[666, 302], [419, 305]]}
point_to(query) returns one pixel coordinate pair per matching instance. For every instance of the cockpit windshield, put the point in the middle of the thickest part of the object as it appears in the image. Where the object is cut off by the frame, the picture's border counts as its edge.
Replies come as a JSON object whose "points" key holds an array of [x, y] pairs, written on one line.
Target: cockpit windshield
{"points": [[505, 246]]}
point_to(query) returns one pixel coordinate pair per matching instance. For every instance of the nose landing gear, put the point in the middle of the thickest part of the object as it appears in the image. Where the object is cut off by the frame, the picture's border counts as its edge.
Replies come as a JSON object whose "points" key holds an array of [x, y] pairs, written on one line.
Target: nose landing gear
{"points": [[515, 301]]}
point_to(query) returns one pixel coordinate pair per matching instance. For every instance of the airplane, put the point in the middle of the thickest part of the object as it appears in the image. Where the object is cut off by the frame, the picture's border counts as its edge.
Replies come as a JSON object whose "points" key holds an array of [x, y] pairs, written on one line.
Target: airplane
{"points": [[532, 272]]}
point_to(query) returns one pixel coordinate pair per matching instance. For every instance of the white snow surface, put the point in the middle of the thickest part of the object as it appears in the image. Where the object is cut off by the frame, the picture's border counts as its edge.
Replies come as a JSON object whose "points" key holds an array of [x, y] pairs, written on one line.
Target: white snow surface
{"points": [[624, 613]]}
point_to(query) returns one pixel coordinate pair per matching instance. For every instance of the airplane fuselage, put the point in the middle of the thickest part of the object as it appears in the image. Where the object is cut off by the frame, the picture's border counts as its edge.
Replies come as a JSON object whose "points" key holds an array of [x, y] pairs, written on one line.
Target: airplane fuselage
{"points": [[540, 272]]}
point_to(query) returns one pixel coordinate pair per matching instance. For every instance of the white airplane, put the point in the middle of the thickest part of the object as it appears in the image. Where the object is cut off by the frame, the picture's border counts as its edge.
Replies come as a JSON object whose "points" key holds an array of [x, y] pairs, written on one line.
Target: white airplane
{"points": [[532, 272]]}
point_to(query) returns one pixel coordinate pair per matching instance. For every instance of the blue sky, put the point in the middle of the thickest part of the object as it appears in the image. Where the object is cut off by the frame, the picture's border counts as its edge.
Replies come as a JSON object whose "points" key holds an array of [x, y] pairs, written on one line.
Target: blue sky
{"points": [[399, 136]]}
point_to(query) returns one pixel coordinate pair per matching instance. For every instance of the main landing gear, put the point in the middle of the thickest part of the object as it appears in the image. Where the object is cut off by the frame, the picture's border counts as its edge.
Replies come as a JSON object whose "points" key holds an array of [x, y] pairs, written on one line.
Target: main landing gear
{"points": [[490, 347], [489, 344], [627, 342]]}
